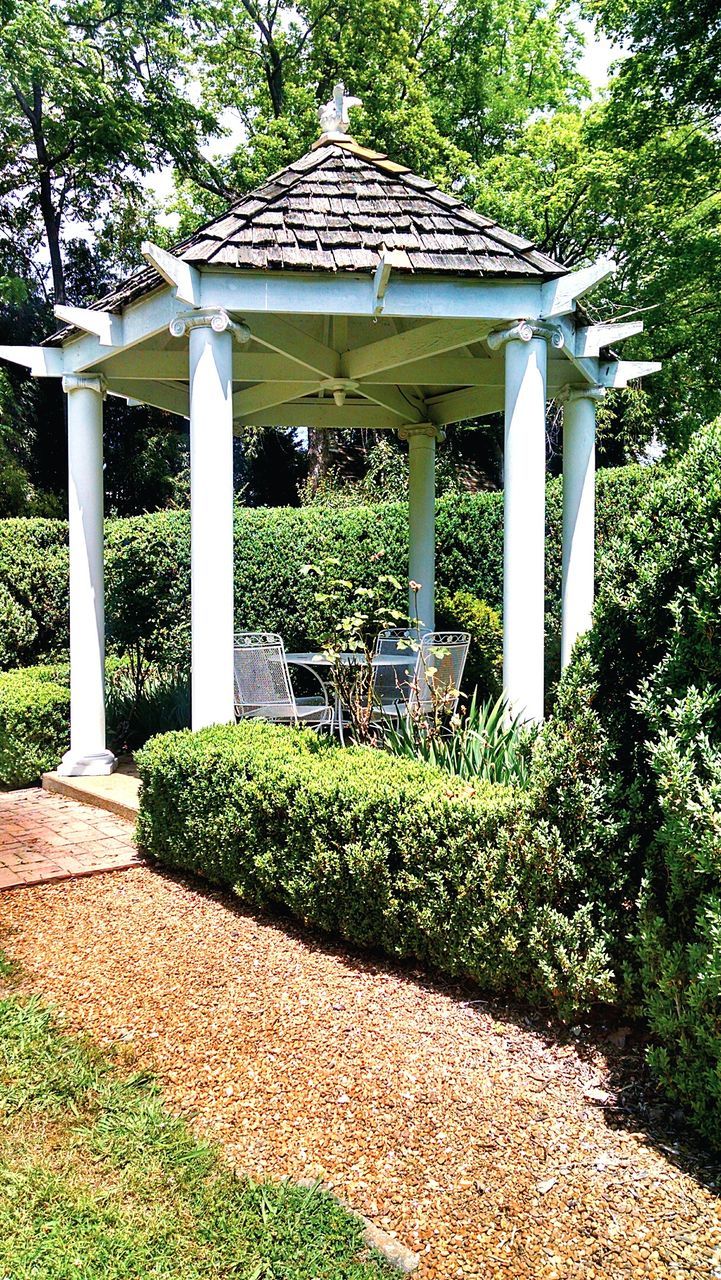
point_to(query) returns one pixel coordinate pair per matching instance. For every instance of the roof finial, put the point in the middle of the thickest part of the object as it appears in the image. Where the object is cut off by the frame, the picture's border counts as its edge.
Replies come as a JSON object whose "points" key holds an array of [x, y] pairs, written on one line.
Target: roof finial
{"points": [[334, 115]]}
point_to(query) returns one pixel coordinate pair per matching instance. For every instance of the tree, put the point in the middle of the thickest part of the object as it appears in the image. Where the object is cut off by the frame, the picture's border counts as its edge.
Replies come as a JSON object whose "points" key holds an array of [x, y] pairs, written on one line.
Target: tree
{"points": [[92, 94], [674, 66], [583, 184]]}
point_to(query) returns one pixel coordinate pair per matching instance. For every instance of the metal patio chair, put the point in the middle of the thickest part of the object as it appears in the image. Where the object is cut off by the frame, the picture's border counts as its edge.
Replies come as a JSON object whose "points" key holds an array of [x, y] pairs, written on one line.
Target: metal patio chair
{"points": [[434, 673], [392, 684], [262, 684]]}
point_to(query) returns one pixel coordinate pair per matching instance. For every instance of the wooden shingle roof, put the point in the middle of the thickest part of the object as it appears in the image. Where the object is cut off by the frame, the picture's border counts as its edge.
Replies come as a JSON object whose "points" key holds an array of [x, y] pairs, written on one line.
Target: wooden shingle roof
{"points": [[338, 208]]}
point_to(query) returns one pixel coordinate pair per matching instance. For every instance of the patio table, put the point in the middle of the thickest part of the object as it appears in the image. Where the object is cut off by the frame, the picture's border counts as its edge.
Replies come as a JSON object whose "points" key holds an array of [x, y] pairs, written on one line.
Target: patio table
{"points": [[312, 661]]}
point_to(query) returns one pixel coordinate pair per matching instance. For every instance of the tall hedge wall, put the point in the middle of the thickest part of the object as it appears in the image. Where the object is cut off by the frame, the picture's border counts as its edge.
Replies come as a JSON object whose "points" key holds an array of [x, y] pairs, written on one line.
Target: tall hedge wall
{"points": [[148, 567]]}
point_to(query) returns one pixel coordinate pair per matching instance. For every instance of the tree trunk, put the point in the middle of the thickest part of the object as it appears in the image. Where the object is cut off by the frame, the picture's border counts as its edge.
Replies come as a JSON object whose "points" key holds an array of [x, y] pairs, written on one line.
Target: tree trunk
{"points": [[51, 220], [318, 457]]}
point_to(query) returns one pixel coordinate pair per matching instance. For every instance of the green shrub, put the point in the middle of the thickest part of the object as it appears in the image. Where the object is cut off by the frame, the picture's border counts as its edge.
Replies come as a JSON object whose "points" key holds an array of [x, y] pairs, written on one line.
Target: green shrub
{"points": [[34, 723], [380, 851], [462, 611], [34, 571], [628, 768], [148, 565], [18, 630]]}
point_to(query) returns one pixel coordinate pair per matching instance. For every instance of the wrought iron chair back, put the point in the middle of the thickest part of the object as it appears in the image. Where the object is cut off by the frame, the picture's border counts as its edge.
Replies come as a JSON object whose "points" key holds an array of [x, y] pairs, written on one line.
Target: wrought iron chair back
{"points": [[262, 679], [440, 661]]}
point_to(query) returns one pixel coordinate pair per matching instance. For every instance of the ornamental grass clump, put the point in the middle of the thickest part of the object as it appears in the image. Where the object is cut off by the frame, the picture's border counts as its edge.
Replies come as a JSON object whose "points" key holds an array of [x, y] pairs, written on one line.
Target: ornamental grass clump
{"points": [[485, 741]]}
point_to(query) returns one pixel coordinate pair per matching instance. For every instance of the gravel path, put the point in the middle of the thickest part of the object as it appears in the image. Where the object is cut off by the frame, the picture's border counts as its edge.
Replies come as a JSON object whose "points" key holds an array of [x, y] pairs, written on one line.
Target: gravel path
{"points": [[483, 1144]]}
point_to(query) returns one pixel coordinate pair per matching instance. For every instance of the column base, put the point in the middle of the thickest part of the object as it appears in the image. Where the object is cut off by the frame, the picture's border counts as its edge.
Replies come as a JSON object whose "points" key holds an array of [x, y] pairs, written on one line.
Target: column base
{"points": [[97, 765]]}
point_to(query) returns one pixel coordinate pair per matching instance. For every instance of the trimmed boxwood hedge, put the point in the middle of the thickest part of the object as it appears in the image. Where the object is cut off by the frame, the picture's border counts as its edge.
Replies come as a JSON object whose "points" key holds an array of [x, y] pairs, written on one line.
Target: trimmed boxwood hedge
{"points": [[34, 718], [148, 566], [378, 850]]}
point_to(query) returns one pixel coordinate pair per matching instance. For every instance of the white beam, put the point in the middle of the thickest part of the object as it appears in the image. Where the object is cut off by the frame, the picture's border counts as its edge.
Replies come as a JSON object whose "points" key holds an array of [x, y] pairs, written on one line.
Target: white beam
{"points": [[415, 344], [393, 399], [439, 371], [266, 395], [591, 339], [559, 296], [325, 413], [381, 276], [285, 339], [160, 395], [472, 402], [184, 277], [588, 366], [143, 320], [348, 294], [107, 328], [42, 362], [618, 373]]}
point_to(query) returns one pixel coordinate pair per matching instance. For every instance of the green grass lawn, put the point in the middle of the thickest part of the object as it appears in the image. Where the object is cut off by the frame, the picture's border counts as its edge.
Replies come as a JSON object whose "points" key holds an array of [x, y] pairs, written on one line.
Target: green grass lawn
{"points": [[99, 1181]]}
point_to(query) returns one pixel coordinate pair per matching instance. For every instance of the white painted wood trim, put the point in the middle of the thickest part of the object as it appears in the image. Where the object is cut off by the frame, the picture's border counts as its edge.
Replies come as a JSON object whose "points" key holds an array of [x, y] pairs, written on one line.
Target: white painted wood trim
{"points": [[107, 328], [184, 277], [591, 339], [560, 296], [325, 413], [287, 340], [267, 395], [620, 372], [430, 339], [42, 362], [160, 395]]}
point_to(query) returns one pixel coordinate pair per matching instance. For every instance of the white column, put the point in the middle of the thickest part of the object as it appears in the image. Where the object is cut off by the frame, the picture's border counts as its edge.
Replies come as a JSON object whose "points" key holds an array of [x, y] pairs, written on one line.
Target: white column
{"points": [[579, 472], [421, 439], [524, 514], [211, 514], [88, 755]]}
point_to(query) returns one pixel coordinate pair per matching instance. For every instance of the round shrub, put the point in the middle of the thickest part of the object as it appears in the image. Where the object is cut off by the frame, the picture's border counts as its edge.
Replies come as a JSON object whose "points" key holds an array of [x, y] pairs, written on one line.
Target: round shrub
{"points": [[34, 723]]}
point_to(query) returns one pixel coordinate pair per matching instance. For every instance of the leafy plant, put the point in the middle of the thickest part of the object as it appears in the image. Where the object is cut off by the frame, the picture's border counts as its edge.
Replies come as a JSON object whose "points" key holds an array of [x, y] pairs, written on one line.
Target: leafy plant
{"points": [[482, 742], [364, 613], [384, 852], [135, 711]]}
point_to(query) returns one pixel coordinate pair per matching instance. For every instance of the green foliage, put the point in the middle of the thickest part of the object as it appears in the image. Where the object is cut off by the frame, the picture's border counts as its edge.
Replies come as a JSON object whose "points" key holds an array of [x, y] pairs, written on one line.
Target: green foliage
{"points": [[481, 742], [628, 769], [34, 723], [563, 182], [136, 709], [18, 630], [463, 611], [381, 851], [679, 930], [125, 1190], [33, 590], [147, 565]]}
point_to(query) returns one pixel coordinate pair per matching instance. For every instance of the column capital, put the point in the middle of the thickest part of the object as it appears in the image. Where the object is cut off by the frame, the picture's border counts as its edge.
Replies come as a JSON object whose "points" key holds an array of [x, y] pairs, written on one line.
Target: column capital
{"points": [[569, 395], [524, 331], [84, 382], [215, 318], [412, 430]]}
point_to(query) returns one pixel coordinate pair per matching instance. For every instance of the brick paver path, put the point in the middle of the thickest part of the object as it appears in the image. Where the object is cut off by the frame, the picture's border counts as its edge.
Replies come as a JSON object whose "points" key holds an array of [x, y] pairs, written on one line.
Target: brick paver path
{"points": [[46, 837]]}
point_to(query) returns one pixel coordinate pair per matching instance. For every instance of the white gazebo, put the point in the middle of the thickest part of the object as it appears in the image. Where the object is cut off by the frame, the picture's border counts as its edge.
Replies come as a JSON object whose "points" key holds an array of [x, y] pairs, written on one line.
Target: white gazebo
{"points": [[345, 292]]}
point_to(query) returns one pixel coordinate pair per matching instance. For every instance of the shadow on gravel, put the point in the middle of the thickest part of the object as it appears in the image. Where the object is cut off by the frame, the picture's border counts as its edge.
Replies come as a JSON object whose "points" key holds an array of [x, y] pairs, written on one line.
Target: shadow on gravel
{"points": [[626, 1095]]}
